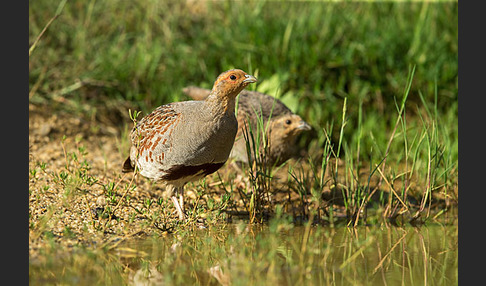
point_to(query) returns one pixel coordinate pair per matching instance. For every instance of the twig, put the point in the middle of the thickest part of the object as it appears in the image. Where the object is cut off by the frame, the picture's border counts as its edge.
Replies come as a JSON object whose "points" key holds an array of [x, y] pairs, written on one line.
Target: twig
{"points": [[400, 112], [388, 253]]}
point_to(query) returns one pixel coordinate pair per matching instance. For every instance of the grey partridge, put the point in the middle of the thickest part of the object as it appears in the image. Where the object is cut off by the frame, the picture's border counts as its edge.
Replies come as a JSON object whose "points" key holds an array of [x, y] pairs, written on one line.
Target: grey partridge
{"points": [[282, 125], [184, 141]]}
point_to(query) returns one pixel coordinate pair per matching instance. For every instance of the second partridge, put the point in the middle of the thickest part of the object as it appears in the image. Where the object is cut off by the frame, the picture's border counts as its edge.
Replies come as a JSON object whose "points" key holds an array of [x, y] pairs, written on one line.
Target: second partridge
{"points": [[282, 125]]}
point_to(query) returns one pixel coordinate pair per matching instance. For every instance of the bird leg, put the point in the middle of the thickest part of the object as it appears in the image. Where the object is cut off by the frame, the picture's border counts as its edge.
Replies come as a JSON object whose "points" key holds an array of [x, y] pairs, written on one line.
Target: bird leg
{"points": [[181, 199], [179, 205]]}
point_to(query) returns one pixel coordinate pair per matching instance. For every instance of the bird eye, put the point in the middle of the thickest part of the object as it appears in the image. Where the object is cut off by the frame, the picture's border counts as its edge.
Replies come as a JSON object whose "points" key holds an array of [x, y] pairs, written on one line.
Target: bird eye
{"points": [[288, 121], [233, 77]]}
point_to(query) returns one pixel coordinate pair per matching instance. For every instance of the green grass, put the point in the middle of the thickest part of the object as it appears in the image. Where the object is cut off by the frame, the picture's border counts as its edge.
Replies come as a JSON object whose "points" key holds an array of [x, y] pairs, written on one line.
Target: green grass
{"points": [[381, 130]]}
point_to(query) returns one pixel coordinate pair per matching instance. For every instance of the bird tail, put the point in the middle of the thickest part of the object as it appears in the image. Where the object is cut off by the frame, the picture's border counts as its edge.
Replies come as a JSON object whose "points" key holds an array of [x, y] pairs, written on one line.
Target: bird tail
{"points": [[127, 166]]}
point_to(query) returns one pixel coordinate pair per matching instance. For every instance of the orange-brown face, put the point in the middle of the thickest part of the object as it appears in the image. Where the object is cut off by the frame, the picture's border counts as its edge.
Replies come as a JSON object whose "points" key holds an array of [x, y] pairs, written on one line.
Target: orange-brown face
{"points": [[289, 126], [233, 81]]}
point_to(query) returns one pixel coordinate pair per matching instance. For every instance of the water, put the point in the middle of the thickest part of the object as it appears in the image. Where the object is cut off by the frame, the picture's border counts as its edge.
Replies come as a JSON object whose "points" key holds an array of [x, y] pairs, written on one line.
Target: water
{"points": [[276, 254]]}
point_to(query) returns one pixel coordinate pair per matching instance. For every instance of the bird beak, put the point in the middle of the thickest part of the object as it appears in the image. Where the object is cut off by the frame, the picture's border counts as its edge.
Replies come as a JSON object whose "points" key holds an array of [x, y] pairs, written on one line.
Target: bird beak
{"points": [[249, 78], [304, 126]]}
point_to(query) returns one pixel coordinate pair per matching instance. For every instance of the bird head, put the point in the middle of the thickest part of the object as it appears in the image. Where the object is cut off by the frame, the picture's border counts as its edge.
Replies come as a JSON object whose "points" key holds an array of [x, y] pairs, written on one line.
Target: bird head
{"points": [[230, 83], [289, 126]]}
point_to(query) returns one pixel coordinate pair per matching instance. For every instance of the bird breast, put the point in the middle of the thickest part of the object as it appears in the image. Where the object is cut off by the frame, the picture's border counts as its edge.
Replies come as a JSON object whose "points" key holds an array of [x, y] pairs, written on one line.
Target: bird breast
{"points": [[202, 137]]}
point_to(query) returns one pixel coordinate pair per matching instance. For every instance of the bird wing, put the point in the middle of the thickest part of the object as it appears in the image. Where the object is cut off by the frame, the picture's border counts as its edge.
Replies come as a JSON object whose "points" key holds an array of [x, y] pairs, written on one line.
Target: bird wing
{"points": [[153, 130]]}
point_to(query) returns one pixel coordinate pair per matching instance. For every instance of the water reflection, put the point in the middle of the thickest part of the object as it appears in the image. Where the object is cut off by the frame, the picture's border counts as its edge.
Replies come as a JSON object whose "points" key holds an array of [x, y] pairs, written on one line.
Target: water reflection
{"points": [[286, 255], [276, 254]]}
